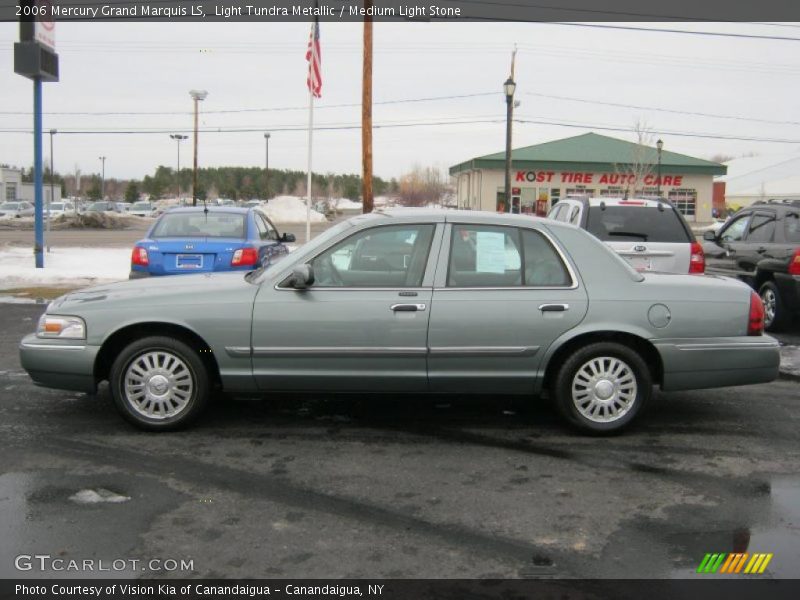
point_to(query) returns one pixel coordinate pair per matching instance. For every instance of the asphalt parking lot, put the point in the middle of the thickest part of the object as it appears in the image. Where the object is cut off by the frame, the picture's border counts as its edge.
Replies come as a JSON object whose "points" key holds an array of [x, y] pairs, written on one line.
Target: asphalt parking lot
{"points": [[397, 486]]}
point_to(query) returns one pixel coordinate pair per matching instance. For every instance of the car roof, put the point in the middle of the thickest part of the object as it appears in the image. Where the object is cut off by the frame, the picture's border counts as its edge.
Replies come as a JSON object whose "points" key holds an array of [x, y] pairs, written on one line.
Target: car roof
{"points": [[210, 208], [446, 215]]}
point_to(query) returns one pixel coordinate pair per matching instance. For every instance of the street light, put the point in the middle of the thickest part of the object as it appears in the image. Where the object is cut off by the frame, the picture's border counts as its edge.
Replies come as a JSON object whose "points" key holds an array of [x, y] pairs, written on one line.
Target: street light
{"points": [[178, 138], [197, 96], [266, 162], [52, 175], [103, 179], [659, 146], [508, 88]]}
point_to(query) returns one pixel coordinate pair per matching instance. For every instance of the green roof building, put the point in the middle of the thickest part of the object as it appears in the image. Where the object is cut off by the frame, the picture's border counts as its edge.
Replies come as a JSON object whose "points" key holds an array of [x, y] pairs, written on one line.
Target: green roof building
{"points": [[588, 164]]}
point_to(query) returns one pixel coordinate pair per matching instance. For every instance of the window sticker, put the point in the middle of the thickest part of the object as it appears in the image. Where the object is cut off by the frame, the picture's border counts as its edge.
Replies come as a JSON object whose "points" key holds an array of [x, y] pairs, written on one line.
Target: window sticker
{"points": [[490, 254]]}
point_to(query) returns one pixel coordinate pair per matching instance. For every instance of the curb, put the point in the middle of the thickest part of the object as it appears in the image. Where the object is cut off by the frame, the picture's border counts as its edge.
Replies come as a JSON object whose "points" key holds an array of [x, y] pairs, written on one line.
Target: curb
{"points": [[789, 376]]}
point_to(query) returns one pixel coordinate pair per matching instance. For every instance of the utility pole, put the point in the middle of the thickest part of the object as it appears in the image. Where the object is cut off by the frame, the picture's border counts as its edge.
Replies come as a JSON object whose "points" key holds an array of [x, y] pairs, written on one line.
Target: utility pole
{"points": [[266, 163], [178, 138], [509, 87], [366, 114], [103, 179], [52, 187], [197, 96], [659, 146]]}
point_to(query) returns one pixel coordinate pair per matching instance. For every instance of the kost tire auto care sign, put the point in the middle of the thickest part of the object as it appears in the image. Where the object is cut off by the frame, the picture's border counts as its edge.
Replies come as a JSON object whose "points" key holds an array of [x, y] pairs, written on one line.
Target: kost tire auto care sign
{"points": [[556, 177]]}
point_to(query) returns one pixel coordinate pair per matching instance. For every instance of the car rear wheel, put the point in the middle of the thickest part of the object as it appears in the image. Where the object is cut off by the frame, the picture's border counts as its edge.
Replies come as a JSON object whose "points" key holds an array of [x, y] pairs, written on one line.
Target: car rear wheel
{"points": [[602, 387], [159, 383], [775, 317]]}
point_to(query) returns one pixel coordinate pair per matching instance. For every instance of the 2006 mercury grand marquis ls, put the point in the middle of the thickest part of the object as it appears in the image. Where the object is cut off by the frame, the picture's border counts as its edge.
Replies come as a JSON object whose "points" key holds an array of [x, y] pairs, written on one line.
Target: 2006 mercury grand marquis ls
{"points": [[411, 301]]}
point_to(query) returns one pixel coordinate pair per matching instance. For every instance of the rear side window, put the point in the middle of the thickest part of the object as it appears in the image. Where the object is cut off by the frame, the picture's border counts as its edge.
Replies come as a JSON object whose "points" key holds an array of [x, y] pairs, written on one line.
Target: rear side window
{"points": [[791, 223], [636, 223], [762, 228]]}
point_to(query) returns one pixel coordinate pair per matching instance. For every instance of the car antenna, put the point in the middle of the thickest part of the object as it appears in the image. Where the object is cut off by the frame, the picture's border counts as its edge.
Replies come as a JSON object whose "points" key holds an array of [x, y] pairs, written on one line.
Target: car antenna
{"points": [[602, 204], [660, 205]]}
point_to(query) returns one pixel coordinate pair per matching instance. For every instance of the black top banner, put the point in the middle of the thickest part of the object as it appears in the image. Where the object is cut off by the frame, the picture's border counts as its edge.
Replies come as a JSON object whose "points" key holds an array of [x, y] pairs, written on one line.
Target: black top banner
{"points": [[403, 10]]}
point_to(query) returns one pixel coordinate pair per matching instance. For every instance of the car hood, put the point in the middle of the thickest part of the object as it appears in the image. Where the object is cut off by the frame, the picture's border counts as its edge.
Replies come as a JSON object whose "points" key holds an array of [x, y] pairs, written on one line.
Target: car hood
{"points": [[155, 291]]}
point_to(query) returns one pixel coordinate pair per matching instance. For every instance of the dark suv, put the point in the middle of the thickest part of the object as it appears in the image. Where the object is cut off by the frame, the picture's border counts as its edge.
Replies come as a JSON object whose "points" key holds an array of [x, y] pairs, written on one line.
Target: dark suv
{"points": [[760, 245]]}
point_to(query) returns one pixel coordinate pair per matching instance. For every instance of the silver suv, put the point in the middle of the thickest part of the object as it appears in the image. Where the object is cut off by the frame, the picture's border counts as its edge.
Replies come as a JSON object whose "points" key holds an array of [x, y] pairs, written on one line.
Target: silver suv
{"points": [[650, 234]]}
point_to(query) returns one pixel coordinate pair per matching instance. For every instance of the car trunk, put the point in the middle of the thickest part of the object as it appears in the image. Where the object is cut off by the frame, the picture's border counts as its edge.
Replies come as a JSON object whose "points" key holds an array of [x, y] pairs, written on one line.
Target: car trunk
{"points": [[665, 257], [198, 255]]}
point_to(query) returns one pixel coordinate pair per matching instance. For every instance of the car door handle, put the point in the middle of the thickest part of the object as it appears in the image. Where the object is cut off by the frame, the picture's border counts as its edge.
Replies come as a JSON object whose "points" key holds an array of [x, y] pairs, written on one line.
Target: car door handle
{"points": [[553, 307], [407, 307], [761, 250]]}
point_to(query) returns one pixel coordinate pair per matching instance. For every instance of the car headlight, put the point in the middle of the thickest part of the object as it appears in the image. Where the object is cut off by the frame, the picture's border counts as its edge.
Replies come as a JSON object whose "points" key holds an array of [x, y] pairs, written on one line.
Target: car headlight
{"points": [[52, 326]]}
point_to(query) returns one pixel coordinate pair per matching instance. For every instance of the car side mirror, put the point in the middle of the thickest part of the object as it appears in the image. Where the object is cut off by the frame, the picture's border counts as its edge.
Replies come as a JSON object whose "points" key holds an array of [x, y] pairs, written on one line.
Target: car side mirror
{"points": [[288, 237], [302, 277], [710, 236]]}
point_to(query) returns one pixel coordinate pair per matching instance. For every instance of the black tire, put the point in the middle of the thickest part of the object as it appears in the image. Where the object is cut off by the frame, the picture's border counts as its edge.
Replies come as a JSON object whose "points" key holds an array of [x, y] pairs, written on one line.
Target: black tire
{"points": [[185, 379], [769, 294], [633, 367]]}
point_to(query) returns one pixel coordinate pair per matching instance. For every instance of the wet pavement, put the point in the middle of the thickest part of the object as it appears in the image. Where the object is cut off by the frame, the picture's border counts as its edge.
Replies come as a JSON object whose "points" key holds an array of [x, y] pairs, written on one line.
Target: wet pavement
{"points": [[367, 486]]}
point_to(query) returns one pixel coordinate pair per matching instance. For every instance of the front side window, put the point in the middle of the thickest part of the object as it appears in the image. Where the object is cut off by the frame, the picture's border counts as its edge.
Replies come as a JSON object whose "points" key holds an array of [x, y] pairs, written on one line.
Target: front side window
{"points": [[488, 256], [735, 231], [393, 256]]}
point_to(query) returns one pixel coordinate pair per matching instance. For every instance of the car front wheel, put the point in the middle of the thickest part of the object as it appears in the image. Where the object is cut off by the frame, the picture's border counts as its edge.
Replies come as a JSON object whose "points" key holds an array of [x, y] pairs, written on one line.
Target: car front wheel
{"points": [[775, 317], [159, 383], [602, 387]]}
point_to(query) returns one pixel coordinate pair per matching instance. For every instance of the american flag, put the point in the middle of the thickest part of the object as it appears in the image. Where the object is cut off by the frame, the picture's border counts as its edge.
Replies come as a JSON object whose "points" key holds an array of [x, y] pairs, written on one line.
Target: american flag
{"points": [[314, 58]]}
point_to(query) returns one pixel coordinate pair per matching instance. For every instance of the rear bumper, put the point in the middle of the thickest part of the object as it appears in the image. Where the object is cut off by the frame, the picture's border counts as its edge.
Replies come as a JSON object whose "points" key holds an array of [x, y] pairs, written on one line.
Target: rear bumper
{"points": [[789, 289], [138, 275], [59, 364], [698, 363]]}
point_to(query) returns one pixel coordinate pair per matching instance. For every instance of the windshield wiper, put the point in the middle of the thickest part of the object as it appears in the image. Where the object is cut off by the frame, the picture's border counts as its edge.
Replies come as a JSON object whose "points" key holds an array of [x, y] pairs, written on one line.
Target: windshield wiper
{"points": [[629, 234]]}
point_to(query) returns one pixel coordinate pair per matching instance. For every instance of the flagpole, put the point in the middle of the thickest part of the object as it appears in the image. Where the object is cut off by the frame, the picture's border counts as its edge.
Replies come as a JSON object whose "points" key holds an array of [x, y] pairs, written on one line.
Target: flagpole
{"points": [[308, 188]]}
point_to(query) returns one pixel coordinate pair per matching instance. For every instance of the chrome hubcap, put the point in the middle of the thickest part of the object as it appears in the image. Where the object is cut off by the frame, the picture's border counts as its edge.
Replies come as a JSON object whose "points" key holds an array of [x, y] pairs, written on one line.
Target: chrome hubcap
{"points": [[158, 384], [604, 389], [768, 300]]}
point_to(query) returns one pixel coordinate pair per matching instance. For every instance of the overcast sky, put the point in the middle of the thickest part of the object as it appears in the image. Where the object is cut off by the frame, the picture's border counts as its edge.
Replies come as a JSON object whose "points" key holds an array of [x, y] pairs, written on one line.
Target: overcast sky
{"points": [[136, 68]]}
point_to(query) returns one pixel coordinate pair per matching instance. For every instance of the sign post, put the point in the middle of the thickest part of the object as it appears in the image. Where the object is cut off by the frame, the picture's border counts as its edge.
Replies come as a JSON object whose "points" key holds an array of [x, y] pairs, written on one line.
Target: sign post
{"points": [[35, 58]]}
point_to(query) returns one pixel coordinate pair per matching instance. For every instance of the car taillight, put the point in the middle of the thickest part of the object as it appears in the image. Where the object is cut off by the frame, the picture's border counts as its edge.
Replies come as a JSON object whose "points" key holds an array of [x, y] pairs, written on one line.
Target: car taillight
{"points": [[697, 261], [139, 256], [755, 323], [794, 265], [244, 257]]}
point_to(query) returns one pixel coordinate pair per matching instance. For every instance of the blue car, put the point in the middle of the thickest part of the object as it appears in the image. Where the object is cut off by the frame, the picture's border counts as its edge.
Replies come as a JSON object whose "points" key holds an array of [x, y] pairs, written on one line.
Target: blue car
{"points": [[203, 239]]}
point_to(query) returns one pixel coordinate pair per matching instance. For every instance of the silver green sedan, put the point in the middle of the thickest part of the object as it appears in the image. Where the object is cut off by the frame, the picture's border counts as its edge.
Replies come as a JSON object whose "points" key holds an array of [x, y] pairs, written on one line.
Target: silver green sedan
{"points": [[414, 301]]}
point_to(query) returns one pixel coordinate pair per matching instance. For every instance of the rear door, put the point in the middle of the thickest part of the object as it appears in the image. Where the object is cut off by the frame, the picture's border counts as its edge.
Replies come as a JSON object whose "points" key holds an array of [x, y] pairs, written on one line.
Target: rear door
{"points": [[502, 295], [649, 237]]}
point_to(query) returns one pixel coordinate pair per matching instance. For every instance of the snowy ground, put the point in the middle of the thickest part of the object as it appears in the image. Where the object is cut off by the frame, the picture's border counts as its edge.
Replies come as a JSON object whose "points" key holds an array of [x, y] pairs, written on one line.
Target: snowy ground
{"points": [[63, 267], [290, 209]]}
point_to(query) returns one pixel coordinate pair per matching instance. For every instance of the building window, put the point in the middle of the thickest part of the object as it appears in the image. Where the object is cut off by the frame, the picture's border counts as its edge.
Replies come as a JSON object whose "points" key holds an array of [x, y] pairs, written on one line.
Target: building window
{"points": [[555, 196], [11, 192], [685, 200], [613, 191]]}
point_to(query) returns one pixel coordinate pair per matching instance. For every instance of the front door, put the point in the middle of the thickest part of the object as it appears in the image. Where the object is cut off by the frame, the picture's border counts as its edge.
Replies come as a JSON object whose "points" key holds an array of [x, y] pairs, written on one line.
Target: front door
{"points": [[724, 256], [362, 325], [502, 296]]}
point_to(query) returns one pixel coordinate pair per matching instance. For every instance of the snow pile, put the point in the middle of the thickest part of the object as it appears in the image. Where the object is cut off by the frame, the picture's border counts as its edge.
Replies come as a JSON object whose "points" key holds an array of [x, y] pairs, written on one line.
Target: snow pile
{"points": [[290, 209], [97, 496], [345, 204], [63, 266]]}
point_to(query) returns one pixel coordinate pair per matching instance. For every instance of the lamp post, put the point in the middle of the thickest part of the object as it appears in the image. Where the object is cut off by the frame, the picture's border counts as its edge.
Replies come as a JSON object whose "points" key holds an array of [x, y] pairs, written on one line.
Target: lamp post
{"points": [[659, 146], [266, 163], [103, 178], [52, 175], [178, 138], [508, 88], [197, 96]]}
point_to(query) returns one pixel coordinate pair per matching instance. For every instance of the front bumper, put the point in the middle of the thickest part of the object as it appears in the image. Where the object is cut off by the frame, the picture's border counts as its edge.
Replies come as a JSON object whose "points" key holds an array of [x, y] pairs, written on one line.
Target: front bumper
{"points": [[699, 363], [59, 364]]}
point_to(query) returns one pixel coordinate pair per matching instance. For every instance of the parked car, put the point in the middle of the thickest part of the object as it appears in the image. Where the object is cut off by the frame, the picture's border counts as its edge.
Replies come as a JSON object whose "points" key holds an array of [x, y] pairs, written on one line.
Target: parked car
{"points": [[650, 234], [16, 210], [760, 245], [200, 239], [142, 209], [102, 206], [60, 208], [252, 204], [410, 301], [122, 207]]}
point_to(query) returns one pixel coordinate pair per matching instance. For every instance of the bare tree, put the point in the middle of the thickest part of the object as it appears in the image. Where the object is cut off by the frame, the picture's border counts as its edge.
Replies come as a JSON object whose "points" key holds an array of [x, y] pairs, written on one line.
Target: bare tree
{"points": [[642, 162], [422, 186], [722, 157]]}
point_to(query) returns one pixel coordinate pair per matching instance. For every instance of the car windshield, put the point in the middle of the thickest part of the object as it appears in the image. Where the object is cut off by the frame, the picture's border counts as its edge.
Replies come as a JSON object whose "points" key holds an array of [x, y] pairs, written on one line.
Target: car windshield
{"points": [[9, 206], [140, 205], [200, 224], [97, 206], [636, 223], [56, 205]]}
